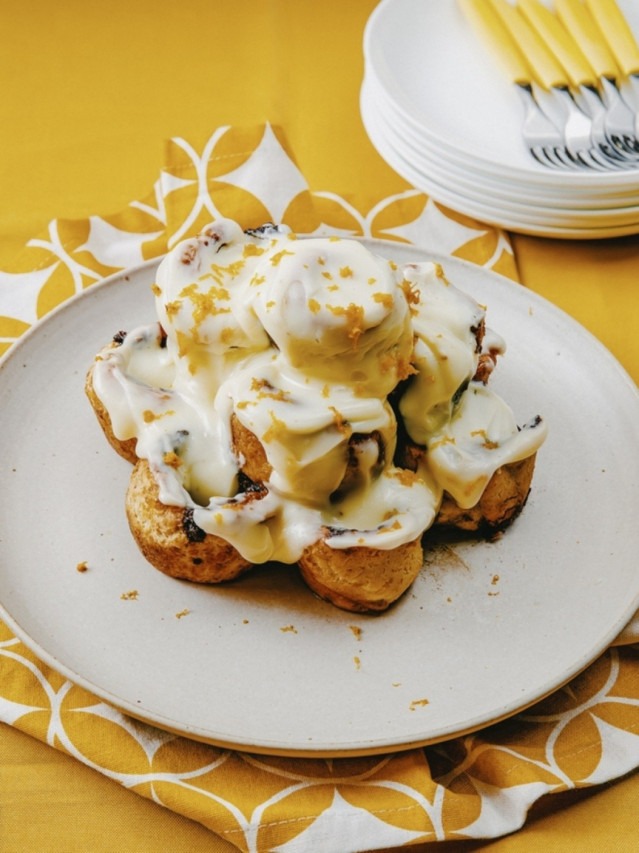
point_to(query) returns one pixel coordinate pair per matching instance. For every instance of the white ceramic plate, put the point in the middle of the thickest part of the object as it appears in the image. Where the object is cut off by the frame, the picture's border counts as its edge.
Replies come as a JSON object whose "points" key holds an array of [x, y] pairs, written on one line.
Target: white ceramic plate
{"points": [[261, 664], [547, 184], [487, 208], [509, 195]]}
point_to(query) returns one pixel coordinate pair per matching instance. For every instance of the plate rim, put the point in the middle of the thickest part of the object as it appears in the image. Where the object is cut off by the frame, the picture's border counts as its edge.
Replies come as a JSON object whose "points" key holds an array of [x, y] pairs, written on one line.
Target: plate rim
{"points": [[494, 217]]}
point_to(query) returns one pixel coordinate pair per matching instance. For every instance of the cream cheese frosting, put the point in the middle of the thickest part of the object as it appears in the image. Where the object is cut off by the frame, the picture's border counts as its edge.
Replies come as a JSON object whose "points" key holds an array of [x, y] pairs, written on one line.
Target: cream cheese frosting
{"points": [[321, 349]]}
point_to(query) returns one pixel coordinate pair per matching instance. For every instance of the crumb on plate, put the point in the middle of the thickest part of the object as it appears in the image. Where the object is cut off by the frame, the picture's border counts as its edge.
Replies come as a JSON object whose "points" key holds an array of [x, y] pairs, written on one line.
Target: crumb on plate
{"points": [[131, 595]]}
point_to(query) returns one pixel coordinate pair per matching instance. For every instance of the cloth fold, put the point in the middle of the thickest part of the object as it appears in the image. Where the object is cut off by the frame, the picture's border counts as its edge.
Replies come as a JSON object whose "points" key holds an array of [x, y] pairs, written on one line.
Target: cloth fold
{"points": [[475, 786]]}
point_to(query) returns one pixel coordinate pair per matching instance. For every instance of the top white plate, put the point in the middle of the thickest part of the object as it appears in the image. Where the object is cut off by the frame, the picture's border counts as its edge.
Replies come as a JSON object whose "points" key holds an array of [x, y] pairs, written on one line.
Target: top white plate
{"points": [[261, 664], [426, 59]]}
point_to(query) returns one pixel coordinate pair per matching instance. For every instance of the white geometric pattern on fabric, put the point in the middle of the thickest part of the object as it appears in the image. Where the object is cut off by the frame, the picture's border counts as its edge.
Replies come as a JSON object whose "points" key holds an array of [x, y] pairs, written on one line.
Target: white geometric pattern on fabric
{"points": [[114, 247], [254, 178], [204, 202], [436, 231], [341, 827], [503, 807], [621, 754], [21, 290]]}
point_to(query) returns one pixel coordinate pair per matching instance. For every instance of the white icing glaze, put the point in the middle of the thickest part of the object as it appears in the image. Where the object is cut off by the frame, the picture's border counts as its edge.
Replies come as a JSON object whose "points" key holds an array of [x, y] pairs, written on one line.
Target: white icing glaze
{"points": [[303, 341]]}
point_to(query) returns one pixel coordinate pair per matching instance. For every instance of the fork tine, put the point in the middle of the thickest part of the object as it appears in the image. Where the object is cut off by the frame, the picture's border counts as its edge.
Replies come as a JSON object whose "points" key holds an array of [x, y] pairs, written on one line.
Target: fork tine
{"points": [[578, 132], [575, 128], [591, 102], [620, 120], [583, 21], [542, 137], [629, 91]]}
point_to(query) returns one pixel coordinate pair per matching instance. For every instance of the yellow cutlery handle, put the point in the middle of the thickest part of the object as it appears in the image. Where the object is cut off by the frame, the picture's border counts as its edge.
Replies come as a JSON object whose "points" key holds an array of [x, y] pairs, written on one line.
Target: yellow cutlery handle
{"points": [[559, 41], [547, 70], [493, 32], [577, 19], [617, 33]]}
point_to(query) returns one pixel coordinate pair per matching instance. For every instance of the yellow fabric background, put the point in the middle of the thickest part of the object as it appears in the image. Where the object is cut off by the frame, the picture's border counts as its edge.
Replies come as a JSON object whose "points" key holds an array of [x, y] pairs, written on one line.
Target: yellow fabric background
{"points": [[89, 96]]}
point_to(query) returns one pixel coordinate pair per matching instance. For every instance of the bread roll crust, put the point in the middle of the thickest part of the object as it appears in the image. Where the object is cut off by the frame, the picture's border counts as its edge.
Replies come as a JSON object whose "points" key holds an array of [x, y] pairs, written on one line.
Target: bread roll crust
{"points": [[361, 579], [170, 540], [250, 451], [501, 502]]}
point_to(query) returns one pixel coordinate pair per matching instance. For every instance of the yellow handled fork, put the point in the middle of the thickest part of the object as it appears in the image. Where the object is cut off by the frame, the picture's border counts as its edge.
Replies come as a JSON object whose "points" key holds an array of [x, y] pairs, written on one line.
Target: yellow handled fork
{"points": [[620, 118], [542, 137], [556, 131], [612, 130]]}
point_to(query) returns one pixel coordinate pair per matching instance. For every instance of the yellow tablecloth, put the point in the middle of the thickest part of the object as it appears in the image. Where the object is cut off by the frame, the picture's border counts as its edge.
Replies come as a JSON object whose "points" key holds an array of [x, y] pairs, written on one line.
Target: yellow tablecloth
{"points": [[90, 98]]}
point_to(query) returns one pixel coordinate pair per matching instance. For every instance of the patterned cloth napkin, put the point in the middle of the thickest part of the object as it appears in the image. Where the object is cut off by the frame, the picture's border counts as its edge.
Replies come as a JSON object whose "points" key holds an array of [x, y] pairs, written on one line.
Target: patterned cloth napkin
{"points": [[476, 786]]}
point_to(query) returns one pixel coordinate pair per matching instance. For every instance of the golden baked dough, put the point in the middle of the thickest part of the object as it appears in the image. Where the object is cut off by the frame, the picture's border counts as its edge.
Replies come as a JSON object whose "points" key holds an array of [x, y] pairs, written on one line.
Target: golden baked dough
{"points": [[171, 541], [501, 502], [253, 461], [255, 465], [358, 579], [361, 579], [167, 536], [503, 499]]}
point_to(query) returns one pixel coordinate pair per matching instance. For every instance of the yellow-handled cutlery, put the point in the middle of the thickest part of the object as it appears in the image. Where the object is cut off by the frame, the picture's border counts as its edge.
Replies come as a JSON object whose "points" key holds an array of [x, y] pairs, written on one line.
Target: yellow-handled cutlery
{"points": [[617, 33], [555, 130], [568, 75], [612, 130], [620, 119], [623, 45], [555, 92], [544, 140]]}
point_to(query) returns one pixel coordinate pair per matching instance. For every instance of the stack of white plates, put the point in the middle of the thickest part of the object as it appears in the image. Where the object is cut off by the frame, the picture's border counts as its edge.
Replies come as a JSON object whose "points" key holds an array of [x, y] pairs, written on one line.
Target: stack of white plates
{"points": [[440, 110]]}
